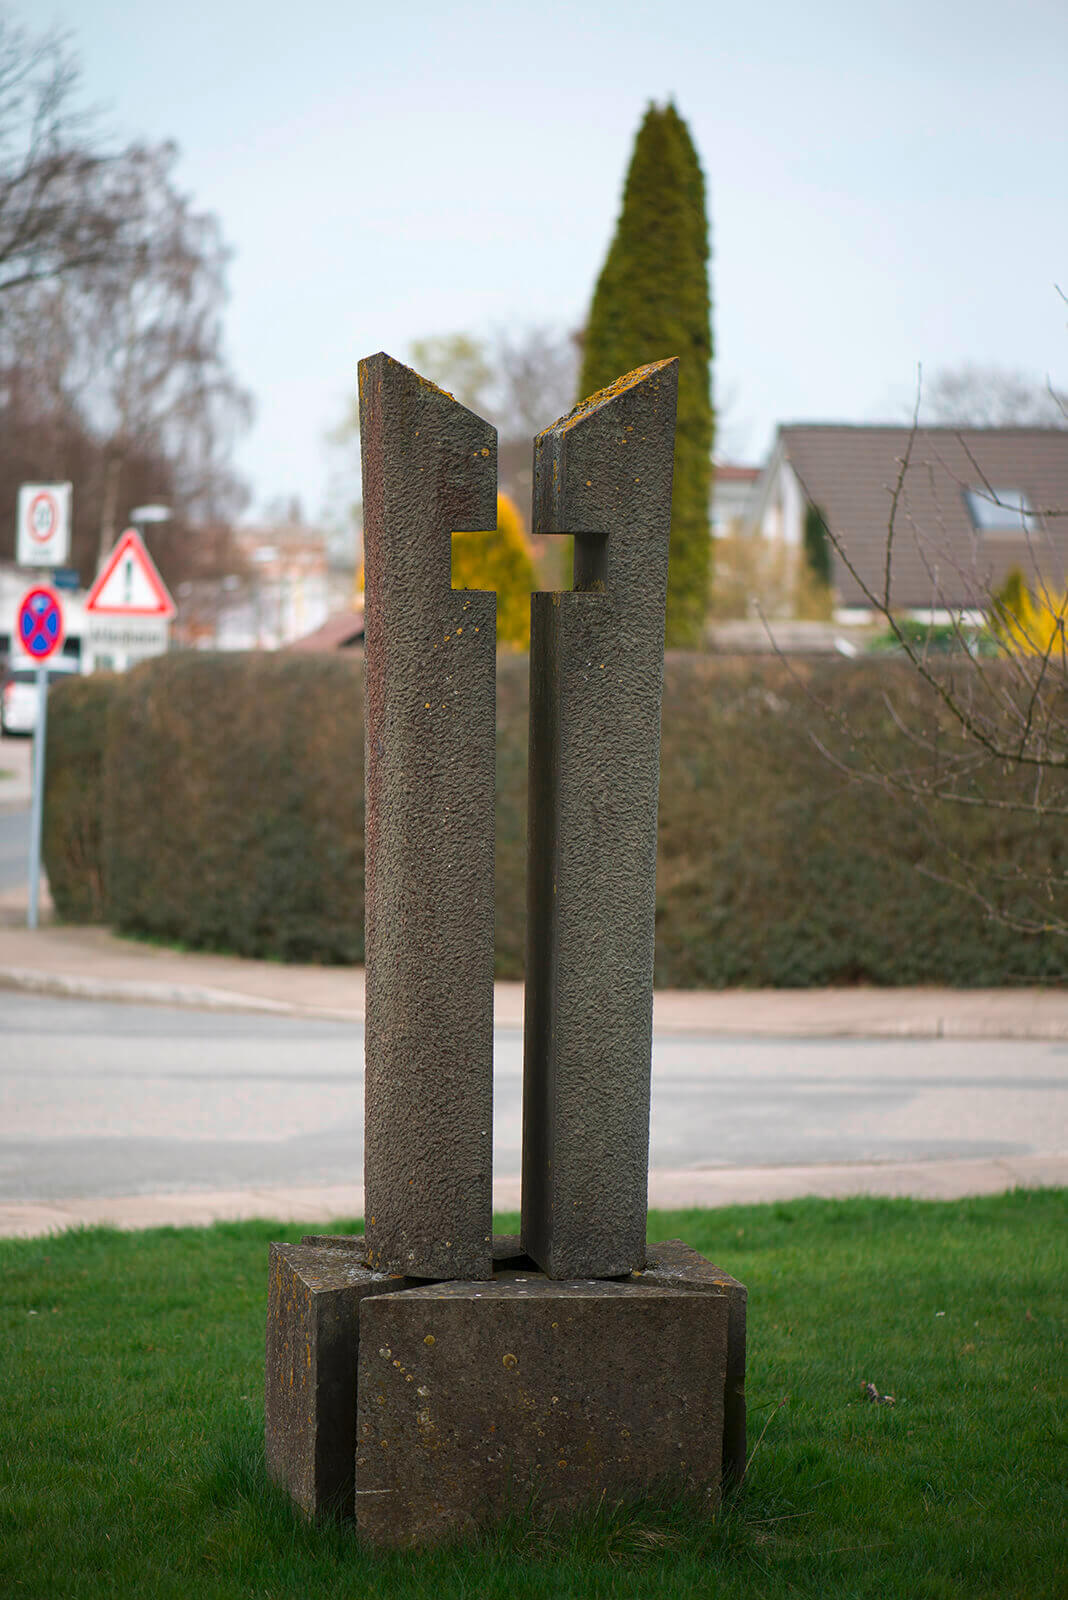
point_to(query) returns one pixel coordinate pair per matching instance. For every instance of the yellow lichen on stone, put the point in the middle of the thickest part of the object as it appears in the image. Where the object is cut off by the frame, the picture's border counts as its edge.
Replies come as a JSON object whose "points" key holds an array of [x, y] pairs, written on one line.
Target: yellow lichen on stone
{"points": [[629, 380], [433, 387]]}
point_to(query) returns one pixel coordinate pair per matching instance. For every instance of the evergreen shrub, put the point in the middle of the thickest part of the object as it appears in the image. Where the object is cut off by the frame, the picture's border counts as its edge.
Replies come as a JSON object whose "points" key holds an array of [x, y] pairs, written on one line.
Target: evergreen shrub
{"points": [[816, 542], [652, 300]]}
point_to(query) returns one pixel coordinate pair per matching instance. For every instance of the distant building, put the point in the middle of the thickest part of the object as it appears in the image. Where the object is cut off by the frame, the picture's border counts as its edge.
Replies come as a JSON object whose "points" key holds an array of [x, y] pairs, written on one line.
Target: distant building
{"points": [[972, 504], [280, 592], [342, 630], [733, 497]]}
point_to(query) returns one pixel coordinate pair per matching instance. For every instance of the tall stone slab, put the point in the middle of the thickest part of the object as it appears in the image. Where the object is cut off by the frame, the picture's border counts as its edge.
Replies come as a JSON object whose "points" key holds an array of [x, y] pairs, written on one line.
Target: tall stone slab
{"points": [[603, 474], [429, 469]]}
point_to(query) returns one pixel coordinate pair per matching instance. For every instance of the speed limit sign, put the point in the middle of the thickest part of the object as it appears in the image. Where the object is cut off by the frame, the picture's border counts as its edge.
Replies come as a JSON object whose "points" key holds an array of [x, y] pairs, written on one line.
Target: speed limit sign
{"points": [[43, 525]]}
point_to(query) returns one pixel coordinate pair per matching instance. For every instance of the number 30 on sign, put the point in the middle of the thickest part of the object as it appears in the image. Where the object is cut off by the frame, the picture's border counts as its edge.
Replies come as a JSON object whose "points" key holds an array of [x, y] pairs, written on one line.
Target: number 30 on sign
{"points": [[43, 525]]}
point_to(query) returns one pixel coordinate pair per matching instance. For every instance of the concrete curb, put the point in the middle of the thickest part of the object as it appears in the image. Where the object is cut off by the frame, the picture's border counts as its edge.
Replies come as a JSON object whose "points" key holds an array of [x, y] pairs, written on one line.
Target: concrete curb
{"points": [[321, 1204], [186, 996], [673, 1014]]}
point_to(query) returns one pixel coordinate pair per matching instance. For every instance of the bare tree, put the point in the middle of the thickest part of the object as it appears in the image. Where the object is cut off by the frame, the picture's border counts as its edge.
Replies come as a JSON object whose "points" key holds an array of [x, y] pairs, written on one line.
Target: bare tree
{"points": [[521, 380], [112, 289], [457, 362], [149, 337], [993, 397], [536, 370], [536, 373], [63, 198]]}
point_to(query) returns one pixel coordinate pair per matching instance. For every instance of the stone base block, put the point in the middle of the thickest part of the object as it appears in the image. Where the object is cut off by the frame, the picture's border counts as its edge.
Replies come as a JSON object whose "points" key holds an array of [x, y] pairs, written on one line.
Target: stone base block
{"points": [[313, 1331], [477, 1399], [676, 1265], [428, 1410]]}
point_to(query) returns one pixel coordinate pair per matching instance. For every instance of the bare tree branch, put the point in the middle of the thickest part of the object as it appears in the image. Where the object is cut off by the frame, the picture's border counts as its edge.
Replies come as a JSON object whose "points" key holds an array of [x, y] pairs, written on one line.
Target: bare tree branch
{"points": [[989, 731]]}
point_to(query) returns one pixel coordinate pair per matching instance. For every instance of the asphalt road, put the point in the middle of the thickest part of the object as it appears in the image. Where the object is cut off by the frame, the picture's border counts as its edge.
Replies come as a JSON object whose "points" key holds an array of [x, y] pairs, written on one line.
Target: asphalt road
{"points": [[102, 1099], [14, 844]]}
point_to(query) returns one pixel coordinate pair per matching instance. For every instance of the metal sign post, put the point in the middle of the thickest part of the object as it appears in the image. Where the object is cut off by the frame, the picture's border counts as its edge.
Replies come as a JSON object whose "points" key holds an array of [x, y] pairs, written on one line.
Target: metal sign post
{"points": [[40, 733], [39, 630]]}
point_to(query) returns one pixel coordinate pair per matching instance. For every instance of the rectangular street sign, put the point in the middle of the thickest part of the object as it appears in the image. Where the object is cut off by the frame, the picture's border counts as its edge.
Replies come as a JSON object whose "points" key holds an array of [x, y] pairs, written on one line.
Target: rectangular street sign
{"points": [[43, 528], [134, 636]]}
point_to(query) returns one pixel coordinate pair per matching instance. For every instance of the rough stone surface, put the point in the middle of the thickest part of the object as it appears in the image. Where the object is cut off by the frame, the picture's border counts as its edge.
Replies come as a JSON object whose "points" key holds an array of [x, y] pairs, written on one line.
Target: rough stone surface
{"points": [[677, 1265], [596, 670], [313, 1304], [429, 470], [475, 1398]]}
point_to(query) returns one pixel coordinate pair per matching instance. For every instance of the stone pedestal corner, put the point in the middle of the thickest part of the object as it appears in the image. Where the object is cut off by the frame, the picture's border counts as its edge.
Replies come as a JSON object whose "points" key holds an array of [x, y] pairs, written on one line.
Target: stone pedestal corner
{"points": [[313, 1331], [677, 1265]]}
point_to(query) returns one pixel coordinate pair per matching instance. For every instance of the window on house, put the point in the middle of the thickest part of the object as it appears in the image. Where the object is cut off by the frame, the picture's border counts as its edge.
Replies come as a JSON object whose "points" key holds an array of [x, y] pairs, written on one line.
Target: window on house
{"points": [[1001, 510]]}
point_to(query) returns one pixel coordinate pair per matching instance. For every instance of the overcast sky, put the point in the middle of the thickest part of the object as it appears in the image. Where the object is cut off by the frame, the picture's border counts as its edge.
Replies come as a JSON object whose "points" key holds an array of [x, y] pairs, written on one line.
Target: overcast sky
{"points": [[887, 183]]}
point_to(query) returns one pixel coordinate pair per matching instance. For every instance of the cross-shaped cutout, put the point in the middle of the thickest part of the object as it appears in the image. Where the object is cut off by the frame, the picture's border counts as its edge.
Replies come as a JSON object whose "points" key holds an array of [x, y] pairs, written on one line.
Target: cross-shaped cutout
{"points": [[589, 561]]}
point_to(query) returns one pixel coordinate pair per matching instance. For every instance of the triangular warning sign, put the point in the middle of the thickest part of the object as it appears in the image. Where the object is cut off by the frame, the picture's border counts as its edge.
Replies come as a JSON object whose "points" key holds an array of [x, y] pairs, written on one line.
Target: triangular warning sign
{"points": [[129, 584]]}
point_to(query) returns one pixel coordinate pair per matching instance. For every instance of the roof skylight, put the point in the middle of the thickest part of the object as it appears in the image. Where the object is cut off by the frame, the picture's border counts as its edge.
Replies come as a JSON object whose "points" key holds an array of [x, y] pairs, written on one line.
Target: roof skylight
{"points": [[1001, 510]]}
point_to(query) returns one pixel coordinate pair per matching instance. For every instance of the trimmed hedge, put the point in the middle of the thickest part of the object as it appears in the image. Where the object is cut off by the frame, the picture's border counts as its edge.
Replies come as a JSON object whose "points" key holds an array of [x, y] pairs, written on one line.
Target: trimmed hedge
{"points": [[231, 789], [774, 869], [71, 841], [233, 793]]}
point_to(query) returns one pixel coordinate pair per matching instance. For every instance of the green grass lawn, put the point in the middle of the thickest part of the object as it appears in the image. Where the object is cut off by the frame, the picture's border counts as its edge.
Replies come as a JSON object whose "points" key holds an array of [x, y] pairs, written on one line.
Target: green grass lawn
{"points": [[131, 1422]]}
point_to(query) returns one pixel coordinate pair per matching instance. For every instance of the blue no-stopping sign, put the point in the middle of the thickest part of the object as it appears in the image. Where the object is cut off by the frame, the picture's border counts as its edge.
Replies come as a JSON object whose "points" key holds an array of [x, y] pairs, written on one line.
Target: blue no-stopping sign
{"points": [[40, 623]]}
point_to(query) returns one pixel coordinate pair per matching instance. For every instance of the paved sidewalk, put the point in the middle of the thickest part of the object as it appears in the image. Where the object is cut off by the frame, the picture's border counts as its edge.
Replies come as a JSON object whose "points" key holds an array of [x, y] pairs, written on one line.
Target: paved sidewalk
{"points": [[16, 770], [92, 963]]}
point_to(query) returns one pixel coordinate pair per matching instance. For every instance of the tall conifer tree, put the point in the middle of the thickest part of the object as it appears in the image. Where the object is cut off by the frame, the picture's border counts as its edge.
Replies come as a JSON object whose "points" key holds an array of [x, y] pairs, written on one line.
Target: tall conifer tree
{"points": [[651, 301]]}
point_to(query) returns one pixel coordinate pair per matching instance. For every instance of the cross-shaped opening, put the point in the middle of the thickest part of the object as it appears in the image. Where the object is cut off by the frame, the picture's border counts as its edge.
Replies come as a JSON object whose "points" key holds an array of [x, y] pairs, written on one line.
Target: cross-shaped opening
{"points": [[585, 556]]}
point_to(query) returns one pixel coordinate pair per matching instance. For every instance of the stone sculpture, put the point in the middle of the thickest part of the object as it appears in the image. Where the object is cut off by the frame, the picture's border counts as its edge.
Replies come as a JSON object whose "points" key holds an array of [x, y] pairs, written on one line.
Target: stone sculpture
{"points": [[426, 1378]]}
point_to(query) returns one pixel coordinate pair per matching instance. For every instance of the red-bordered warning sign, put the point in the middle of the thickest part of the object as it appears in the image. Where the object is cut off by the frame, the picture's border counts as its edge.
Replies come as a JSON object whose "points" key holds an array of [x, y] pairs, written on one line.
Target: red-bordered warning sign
{"points": [[129, 584]]}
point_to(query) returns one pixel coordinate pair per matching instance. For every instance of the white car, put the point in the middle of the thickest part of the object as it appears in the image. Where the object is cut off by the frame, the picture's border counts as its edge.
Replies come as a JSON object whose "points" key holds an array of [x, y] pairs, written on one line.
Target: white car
{"points": [[18, 696]]}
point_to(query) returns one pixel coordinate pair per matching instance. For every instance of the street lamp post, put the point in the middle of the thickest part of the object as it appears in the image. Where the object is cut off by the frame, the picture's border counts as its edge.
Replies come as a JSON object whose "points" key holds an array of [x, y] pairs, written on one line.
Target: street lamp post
{"points": [[143, 517]]}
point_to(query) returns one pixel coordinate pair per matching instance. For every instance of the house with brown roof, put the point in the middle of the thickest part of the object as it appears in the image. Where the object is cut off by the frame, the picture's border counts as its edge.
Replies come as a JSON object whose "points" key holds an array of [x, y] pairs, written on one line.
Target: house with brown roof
{"points": [[342, 630], [959, 508]]}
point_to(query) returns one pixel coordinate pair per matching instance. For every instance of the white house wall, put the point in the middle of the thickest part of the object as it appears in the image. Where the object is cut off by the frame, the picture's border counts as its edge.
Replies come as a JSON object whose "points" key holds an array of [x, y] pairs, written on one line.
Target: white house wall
{"points": [[793, 506], [781, 504]]}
